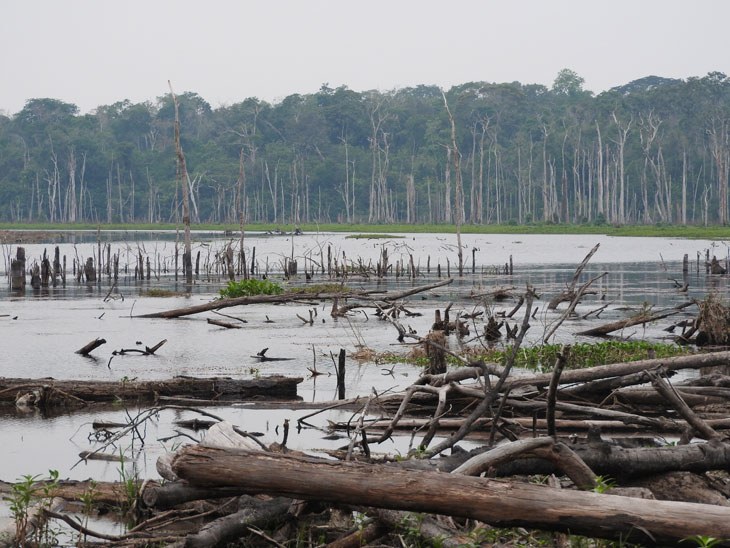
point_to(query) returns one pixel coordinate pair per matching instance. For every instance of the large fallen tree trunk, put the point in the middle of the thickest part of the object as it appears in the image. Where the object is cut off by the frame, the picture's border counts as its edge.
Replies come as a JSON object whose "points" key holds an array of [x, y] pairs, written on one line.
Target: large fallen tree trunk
{"points": [[290, 297], [694, 361], [50, 392], [641, 319], [500, 503]]}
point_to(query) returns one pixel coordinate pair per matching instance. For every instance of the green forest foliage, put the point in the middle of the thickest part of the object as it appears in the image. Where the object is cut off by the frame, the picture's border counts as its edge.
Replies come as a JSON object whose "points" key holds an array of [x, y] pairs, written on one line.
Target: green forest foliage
{"points": [[655, 151]]}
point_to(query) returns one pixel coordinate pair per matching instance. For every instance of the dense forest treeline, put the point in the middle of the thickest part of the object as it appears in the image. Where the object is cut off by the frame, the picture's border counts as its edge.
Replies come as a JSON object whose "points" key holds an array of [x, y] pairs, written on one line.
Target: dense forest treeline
{"points": [[654, 151]]}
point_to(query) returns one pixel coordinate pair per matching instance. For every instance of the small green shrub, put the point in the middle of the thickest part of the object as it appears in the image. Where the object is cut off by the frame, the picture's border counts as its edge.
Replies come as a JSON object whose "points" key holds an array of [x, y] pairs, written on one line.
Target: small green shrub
{"points": [[30, 491], [250, 287]]}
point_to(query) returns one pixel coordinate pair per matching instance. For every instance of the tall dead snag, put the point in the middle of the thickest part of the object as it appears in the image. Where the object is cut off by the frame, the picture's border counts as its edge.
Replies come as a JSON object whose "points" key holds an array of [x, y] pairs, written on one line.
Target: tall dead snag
{"points": [[500, 503], [184, 181], [569, 293], [459, 198]]}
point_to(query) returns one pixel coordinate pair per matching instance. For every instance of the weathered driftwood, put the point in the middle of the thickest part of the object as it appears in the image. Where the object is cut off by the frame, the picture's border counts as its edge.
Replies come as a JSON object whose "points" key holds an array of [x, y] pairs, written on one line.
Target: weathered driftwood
{"points": [[569, 293], [89, 347], [221, 323], [545, 448], [639, 319], [694, 361], [173, 493], [107, 493], [290, 297], [692, 395], [500, 503], [624, 464], [51, 391], [252, 513]]}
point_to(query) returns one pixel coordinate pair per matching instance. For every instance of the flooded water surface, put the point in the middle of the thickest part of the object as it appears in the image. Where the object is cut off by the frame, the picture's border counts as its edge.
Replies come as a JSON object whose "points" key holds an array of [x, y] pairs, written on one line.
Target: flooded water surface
{"points": [[41, 329]]}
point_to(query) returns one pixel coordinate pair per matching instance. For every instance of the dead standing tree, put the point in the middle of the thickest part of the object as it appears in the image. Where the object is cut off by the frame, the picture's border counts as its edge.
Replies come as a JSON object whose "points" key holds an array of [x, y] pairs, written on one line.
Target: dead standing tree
{"points": [[459, 209], [185, 181]]}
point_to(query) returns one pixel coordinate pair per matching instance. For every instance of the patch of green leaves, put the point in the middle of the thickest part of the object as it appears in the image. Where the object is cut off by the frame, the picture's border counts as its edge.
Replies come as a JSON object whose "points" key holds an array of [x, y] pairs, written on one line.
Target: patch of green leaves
{"points": [[542, 358], [249, 288]]}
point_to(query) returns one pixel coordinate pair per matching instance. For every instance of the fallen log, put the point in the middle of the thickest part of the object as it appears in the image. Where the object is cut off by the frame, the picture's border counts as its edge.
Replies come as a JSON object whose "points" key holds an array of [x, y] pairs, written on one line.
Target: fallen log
{"points": [[626, 464], [640, 319], [252, 513], [693, 396], [500, 503], [221, 323], [50, 392], [289, 297], [693, 361], [103, 492]]}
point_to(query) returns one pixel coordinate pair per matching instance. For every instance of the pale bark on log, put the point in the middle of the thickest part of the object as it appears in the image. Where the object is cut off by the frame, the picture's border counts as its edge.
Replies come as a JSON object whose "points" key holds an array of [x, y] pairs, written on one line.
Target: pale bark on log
{"points": [[546, 448], [694, 361], [624, 464], [496, 502], [693, 396], [700, 427]]}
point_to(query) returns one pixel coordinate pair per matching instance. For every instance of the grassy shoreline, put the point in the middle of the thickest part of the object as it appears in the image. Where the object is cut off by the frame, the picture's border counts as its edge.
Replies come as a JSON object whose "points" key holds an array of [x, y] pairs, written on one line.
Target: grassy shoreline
{"points": [[696, 232]]}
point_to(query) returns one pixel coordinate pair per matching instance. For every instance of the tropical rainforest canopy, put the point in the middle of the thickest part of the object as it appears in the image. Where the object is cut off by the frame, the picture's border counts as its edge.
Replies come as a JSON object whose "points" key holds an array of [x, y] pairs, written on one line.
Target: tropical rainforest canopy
{"points": [[655, 150]]}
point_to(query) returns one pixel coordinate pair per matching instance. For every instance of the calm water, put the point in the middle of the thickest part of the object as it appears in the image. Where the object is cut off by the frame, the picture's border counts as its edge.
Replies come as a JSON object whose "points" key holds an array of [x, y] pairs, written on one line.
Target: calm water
{"points": [[41, 330]]}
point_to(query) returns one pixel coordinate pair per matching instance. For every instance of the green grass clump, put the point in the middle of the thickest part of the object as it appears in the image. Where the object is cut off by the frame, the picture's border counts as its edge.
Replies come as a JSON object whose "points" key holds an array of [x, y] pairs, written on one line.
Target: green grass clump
{"points": [[542, 358], [372, 236], [316, 289], [157, 292], [249, 288]]}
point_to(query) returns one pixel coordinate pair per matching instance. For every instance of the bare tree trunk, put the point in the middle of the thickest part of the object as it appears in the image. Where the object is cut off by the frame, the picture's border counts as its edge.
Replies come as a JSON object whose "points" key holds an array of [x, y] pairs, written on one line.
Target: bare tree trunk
{"points": [[459, 188], [183, 172], [599, 174], [719, 140]]}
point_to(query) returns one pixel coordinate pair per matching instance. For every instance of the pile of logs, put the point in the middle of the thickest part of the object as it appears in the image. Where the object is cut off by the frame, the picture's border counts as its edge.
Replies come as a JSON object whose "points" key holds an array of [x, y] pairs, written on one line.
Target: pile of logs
{"points": [[597, 437]]}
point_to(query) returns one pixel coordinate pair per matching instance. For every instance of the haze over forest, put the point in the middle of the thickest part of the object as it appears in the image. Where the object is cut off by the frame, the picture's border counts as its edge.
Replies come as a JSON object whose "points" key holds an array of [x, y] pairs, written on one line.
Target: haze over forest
{"points": [[655, 150]]}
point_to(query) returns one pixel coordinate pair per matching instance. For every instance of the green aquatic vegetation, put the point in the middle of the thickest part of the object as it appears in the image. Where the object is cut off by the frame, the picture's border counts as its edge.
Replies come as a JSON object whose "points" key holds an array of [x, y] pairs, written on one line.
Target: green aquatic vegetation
{"points": [[582, 355], [250, 287], [29, 492], [371, 236]]}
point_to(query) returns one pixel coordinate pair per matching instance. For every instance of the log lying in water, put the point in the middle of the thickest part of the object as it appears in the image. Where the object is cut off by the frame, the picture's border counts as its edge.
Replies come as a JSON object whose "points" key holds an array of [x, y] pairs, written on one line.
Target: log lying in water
{"points": [[500, 503], [50, 392], [292, 297]]}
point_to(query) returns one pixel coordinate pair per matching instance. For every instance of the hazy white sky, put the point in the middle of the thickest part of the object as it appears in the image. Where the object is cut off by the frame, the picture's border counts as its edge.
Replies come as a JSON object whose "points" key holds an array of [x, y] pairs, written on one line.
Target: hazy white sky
{"points": [[98, 52]]}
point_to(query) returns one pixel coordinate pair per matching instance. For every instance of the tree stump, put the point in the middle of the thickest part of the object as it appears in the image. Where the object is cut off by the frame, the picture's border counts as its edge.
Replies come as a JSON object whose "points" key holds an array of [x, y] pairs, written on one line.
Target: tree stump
{"points": [[17, 270], [436, 352]]}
